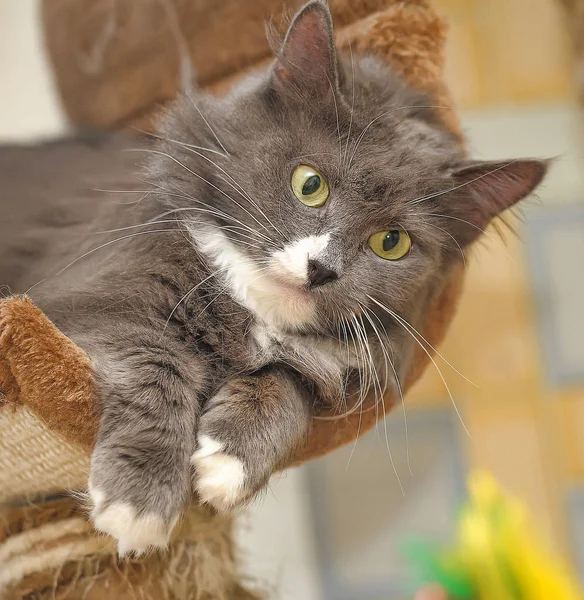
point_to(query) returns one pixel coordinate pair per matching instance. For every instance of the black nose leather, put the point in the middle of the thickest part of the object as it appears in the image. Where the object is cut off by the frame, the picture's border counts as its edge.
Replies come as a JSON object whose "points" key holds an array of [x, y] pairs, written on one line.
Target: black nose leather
{"points": [[319, 274]]}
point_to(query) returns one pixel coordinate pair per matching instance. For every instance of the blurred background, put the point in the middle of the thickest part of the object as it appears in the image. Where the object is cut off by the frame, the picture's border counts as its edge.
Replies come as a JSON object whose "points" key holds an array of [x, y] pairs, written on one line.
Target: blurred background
{"points": [[332, 530]]}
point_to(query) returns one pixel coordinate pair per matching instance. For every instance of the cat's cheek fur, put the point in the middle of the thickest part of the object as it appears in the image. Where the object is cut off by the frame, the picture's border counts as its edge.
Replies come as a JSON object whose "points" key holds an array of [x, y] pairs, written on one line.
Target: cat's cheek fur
{"points": [[219, 477], [135, 534]]}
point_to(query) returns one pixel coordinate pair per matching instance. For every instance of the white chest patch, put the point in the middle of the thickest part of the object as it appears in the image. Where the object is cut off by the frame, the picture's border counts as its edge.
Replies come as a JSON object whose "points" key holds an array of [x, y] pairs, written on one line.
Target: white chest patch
{"points": [[255, 287]]}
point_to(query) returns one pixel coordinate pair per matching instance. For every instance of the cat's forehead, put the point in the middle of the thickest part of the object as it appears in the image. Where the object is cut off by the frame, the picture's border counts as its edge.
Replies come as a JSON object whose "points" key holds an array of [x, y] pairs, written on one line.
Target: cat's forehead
{"points": [[375, 133], [349, 141]]}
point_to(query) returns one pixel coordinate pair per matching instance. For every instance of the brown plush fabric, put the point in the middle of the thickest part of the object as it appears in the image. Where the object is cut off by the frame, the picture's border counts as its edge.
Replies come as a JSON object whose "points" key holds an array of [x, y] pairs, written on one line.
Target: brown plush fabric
{"points": [[119, 58], [409, 35], [44, 369], [61, 558], [116, 63]]}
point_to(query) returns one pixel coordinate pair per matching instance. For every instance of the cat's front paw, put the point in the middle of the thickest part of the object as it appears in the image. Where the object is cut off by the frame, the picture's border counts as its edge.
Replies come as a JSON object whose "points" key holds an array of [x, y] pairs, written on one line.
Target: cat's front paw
{"points": [[134, 533], [137, 493], [220, 478]]}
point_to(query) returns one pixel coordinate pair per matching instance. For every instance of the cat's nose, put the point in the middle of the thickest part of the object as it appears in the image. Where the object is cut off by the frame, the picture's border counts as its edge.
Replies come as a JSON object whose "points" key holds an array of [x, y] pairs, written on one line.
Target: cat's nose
{"points": [[319, 274]]}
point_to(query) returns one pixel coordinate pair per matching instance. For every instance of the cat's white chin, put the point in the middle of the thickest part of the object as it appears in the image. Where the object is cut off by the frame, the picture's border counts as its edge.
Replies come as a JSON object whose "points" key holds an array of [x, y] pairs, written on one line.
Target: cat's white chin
{"points": [[285, 304]]}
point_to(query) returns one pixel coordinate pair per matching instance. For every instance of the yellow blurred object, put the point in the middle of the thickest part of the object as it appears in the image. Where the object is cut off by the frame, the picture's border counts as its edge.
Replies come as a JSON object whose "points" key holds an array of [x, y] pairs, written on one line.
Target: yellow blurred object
{"points": [[502, 553]]}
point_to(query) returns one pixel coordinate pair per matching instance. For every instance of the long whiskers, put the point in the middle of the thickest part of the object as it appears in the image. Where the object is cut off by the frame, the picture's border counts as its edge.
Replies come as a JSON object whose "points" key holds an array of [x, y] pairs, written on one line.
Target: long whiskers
{"points": [[343, 336], [489, 237], [147, 223], [256, 236], [361, 396], [368, 313], [221, 214], [406, 327], [352, 102], [441, 356], [145, 194], [191, 291], [338, 123], [232, 182], [204, 180], [460, 185], [384, 114], [184, 298], [125, 237], [207, 123], [381, 398], [451, 237], [211, 210], [313, 154]]}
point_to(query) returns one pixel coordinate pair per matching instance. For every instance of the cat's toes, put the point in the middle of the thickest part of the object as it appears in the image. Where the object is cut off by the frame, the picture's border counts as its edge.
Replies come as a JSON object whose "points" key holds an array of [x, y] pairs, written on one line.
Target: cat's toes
{"points": [[135, 534], [219, 477]]}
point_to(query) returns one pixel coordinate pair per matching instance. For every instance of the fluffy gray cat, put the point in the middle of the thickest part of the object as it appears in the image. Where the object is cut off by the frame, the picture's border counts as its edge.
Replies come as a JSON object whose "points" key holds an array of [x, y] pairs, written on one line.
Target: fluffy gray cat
{"points": [[292, 235]]}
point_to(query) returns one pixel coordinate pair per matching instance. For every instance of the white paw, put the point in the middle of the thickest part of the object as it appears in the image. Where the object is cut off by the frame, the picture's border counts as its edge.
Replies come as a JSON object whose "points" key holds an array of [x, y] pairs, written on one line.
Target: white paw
{"points": [[134, 535], [219, 477]]}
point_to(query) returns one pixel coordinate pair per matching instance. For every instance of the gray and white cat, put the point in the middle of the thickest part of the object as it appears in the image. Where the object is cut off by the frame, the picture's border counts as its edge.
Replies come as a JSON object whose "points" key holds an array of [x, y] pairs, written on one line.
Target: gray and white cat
{"points": [[292, 237]]}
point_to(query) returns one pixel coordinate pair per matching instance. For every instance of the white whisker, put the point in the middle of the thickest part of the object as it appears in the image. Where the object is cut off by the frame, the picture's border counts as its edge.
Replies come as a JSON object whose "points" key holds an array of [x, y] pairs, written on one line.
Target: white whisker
{"points": [[352, 102], [162, 138], [406, 327], [368, 312], [384, 114], [104, 231], [235, 185], [185, 297], [381, 392], [485, 234], [453, 239], [212, 210], [333, 91], [99, 248], [461, 185], [441, 356], [204, 180], [207, 123]]}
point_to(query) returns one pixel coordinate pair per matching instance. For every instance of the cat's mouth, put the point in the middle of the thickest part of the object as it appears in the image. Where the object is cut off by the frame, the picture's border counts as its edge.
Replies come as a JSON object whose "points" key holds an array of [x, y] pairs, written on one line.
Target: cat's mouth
{"points": [[289, 282]]}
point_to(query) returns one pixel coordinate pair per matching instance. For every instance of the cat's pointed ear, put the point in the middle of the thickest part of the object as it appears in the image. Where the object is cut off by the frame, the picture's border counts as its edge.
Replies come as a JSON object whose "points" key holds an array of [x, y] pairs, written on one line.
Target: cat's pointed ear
{"points": [[484, 189], [307, 60]]}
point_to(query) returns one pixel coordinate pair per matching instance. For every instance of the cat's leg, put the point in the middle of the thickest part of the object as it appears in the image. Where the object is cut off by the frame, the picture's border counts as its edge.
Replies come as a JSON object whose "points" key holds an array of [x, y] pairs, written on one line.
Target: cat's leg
{"points": [[247, 430], [147, 396]]}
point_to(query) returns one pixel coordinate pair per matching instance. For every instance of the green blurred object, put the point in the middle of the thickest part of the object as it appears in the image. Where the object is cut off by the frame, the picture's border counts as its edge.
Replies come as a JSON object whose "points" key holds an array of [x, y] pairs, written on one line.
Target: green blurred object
{"points": [[432, 564]]}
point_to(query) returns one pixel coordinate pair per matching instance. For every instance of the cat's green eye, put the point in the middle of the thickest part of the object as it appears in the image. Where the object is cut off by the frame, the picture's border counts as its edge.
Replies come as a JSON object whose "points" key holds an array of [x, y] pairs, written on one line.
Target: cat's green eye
{"points": [[390, 245], [309, 186]]}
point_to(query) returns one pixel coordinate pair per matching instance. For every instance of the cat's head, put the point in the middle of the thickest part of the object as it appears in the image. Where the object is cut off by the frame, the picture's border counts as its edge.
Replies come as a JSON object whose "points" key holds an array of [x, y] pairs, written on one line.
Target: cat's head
{"points": [[325, 185]]}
